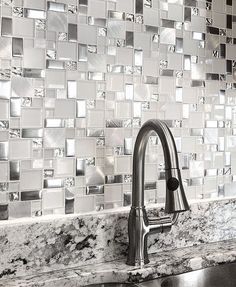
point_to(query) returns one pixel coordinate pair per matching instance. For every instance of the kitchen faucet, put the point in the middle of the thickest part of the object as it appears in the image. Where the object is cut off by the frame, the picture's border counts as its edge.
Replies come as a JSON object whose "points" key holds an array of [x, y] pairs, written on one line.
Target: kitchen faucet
{"points": [[139, 225]]}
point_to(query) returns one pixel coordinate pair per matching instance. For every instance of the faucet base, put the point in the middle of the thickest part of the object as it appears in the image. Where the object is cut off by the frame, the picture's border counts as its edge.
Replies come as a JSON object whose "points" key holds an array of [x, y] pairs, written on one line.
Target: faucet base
{"points": [[137, 263], [138, 231]]}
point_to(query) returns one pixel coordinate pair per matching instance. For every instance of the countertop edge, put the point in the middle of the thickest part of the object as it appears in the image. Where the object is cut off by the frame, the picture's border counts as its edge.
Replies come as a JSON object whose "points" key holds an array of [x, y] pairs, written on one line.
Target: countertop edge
{"points": [[161, 264]]}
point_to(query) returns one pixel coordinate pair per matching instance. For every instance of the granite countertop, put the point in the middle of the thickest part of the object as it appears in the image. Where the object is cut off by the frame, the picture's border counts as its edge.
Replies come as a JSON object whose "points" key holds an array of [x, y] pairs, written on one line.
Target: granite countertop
{"points": [[161, 264]]}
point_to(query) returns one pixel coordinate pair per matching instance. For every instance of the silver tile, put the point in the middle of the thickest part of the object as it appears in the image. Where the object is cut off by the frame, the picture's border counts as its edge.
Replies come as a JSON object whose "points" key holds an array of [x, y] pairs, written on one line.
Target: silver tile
{"points": [[14, 170], [95, 189], [17, 47], [53, 183], [80, 167], [129, 39], [96, 76], [128, 146], [6, 28], [70, 147], [72, 32], [5, 47], [33, 73], [179, 45], [97, 21], [3, 150], [53, 64], [69, 202], [34, 13], [4, 211], [187, 14], [167, 23], [150, 185], [139, 6], [5, 89], [138, 57], [81, 109], [115, 15], [57, 7], [110, 179], [54, 123], [198, 36], [15, 107], [187, 62], [82, 53], [31, 195], [71, 89], [152, 29], [32, 133]]}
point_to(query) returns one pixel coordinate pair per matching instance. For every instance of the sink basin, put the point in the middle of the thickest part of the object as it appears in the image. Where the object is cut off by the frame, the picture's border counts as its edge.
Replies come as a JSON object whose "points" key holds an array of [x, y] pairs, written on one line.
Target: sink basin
{"points": [[218, 276]]}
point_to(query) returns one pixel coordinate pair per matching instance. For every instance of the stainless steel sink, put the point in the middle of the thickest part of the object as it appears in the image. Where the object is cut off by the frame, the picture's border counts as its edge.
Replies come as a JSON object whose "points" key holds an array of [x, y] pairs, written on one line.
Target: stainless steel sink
{"points": [[113, 285], [218, 276]]}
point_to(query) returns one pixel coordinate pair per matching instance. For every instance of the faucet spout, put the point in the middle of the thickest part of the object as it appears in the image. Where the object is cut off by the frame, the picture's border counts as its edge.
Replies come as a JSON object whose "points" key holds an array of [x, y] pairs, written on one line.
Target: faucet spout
{"points": [[139, 226]]}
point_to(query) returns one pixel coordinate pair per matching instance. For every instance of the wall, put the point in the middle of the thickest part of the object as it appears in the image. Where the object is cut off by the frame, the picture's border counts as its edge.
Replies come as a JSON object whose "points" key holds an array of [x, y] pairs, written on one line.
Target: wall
{"points": [[77, 80]]}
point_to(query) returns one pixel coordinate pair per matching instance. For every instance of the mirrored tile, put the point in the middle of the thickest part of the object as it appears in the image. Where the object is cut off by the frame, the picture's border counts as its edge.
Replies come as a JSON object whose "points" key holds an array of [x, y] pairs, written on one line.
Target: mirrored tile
{"points": [[17, 47], [34, 13], [57, 7], [72, 32], [83, 53], [33, 73], [14, 170], [32, 133], [53, 64], [4, 151], [5, 89]]}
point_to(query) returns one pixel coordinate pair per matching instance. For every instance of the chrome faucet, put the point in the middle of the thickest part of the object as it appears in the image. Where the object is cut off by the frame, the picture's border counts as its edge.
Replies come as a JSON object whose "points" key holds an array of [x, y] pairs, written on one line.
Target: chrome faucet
{"points": [[139, 225]]}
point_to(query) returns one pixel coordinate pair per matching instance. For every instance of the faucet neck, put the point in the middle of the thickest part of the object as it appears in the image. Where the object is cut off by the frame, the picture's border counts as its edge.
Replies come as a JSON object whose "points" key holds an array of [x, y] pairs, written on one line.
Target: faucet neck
{"points": [[170, 155]]}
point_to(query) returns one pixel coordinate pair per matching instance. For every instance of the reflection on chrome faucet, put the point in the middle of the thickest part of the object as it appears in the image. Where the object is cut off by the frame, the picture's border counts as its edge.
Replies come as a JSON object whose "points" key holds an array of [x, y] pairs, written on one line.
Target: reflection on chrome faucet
{"points": [[139, 225]]}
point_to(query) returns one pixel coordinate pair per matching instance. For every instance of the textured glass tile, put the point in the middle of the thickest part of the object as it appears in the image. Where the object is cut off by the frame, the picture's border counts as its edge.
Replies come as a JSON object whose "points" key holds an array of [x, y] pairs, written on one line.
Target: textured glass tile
{"points": [[53, 198], [84, 204], [40, 24], [17, 11], [20, 149], [18, 209]]}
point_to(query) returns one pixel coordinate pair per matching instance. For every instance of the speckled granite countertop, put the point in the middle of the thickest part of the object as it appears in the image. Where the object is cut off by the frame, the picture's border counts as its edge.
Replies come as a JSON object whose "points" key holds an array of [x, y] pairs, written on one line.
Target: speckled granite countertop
{"points": [[36, 246], [161, 264]]}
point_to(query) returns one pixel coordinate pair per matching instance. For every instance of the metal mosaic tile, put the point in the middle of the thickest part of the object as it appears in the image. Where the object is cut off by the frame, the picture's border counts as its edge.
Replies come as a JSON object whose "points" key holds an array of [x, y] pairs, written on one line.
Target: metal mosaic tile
{"points": [[77, 80]]}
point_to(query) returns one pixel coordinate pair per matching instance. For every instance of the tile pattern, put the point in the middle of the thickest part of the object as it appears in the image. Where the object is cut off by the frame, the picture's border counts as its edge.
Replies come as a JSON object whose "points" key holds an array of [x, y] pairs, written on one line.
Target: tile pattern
{"points": [[77, 80]]}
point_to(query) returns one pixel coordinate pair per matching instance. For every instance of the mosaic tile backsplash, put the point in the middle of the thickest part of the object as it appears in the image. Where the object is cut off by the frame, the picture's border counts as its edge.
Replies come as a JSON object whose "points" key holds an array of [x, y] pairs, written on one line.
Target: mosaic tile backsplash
{"points": [[77, 80]]}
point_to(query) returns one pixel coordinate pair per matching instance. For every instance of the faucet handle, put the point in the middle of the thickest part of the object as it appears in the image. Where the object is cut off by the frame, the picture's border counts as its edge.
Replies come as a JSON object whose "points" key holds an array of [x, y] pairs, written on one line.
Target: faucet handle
{"points": [[159, 224]]}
